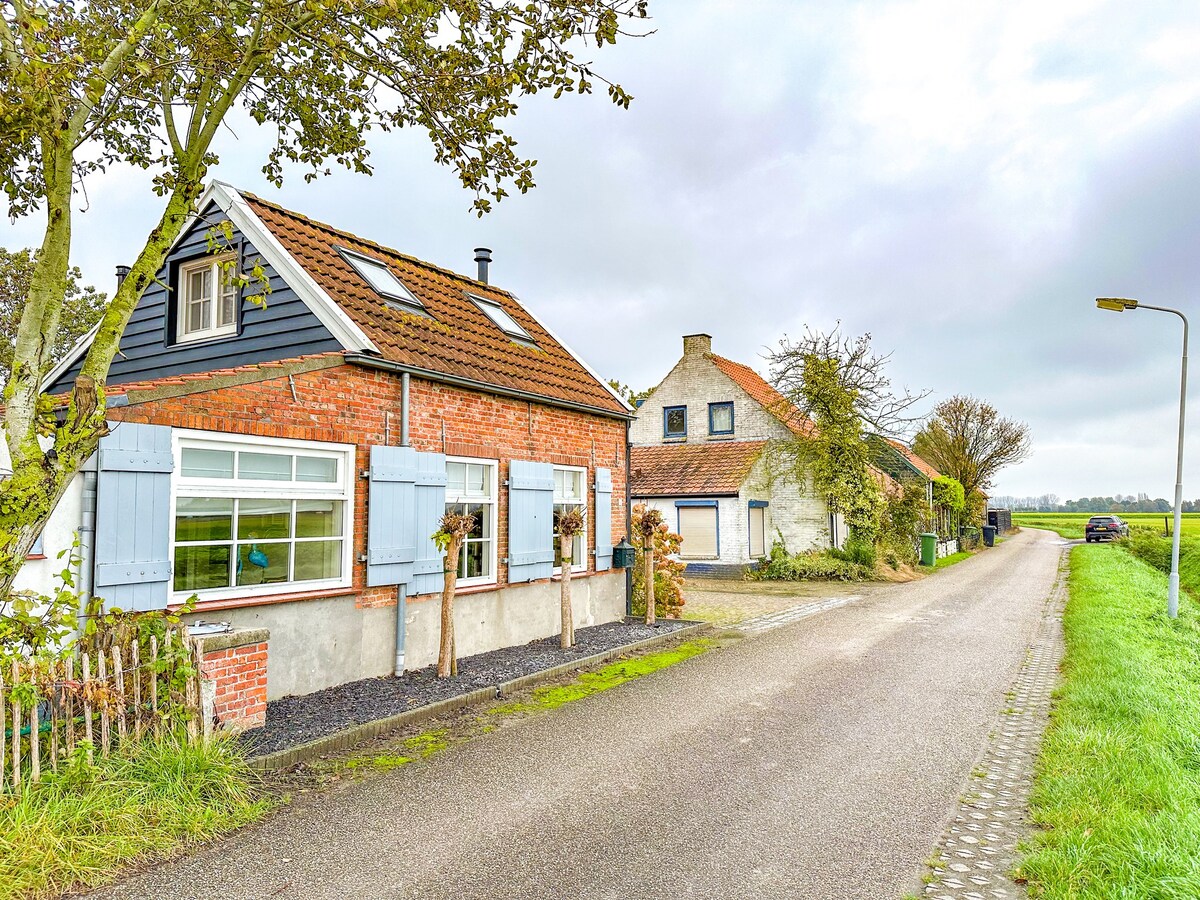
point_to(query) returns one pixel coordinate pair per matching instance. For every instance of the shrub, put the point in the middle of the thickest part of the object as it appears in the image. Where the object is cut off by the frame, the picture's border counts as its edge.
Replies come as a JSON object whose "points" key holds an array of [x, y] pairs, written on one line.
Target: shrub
{"points": [[860, 552], [1152, 548], [668, 571], [898, 551], [813, 565]]}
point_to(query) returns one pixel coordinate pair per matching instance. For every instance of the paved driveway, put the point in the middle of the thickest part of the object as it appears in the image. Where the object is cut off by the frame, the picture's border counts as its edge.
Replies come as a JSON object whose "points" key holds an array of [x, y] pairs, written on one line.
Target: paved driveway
{"points": [[733, 602], [821, 759]]}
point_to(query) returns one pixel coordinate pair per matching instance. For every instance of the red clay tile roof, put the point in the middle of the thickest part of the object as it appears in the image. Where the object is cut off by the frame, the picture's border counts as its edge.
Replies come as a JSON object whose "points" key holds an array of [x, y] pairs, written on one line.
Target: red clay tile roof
{"points": [[765, 395], [925, 468], [459, 339], [670, 470]]}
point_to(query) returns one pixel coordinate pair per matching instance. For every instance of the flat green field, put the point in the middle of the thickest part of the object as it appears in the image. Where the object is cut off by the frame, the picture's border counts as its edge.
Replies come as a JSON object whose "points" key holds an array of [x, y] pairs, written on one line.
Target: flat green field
{"points": [[1070, 525]]}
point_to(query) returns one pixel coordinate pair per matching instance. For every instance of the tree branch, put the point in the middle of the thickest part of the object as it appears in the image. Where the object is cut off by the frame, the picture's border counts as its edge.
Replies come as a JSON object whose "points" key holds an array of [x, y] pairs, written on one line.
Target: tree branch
{"points": [[113, 61]]}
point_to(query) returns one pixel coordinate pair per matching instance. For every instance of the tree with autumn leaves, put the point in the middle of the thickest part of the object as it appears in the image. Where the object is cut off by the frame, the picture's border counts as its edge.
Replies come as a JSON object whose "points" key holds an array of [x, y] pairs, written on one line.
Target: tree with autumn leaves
{"points": [[150, 84]]}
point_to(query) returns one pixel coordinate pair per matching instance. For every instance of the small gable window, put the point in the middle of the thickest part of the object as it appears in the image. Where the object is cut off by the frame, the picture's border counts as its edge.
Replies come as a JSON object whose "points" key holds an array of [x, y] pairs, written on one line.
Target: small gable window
{"points": [[208, 301], [720, 418], [381, 279], [500, 318], [675, 421]]}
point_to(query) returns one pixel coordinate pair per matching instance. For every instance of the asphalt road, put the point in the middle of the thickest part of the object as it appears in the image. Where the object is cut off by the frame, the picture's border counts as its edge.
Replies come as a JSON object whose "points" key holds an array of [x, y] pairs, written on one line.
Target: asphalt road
{"points": [[820, 760]]}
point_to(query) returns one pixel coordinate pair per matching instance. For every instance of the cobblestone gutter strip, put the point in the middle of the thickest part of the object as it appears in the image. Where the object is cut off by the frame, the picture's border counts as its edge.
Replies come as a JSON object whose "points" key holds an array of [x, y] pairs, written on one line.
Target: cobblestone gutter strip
{"points": [[348, 737], [975, 855], [767, 621]]}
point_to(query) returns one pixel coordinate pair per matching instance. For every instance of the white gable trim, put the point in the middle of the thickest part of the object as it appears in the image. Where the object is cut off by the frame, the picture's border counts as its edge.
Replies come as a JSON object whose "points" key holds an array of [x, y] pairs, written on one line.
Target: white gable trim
{"points": [[579, 359], [332, 316], [226, 197]]}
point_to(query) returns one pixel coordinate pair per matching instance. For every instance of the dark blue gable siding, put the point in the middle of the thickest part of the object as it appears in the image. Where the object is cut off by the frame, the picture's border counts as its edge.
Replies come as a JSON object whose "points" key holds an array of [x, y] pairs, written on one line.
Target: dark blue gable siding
{"points": [[282, 329]]}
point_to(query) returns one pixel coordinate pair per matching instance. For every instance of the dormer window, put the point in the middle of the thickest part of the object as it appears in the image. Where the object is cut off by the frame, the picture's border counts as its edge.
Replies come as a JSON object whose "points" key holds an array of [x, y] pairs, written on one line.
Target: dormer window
{"points": [[382, 280], [500, 318], [208, 299]]}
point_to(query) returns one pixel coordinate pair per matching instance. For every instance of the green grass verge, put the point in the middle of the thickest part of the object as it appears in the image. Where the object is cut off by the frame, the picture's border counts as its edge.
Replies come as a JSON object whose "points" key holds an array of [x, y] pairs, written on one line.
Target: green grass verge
{"points": [[1117, 787], [80, 827], [952, 559]]}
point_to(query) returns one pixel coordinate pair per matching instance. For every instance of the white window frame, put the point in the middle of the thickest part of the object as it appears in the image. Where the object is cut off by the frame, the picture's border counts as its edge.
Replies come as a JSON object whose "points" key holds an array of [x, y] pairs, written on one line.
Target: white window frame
{"points": [[378, 275], [220, 488], [216, 267], [582, 564], [493, 465], [501, 318]]}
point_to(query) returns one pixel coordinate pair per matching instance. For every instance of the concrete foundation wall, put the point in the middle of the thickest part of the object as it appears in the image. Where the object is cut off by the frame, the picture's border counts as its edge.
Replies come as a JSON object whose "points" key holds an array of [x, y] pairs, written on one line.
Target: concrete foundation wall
{"points": [[320, 643], [513, 615]]}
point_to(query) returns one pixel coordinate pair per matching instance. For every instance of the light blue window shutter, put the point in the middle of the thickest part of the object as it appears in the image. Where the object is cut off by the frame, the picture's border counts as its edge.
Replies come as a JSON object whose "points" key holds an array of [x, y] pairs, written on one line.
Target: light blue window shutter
{"points": [[603, 517], [429, 489], [133, 517], [391, 516], [530, 521]]}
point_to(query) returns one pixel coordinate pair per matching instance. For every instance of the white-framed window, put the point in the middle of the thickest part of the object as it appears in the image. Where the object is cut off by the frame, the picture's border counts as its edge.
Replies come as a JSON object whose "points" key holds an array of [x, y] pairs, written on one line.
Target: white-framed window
{"points": [[570, 492], [379, 275], [258, 515], [500, 318], [471, 490], [208, 300]]}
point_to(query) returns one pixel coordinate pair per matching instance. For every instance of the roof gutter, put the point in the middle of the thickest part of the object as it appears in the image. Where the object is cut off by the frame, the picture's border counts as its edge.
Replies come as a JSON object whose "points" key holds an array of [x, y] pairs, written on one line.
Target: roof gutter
{"points": [[386, 365]]}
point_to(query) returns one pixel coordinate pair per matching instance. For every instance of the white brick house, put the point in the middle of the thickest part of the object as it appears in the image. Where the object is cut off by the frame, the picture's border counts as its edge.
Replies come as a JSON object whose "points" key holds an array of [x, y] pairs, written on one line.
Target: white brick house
{"points": [[701, 455]]}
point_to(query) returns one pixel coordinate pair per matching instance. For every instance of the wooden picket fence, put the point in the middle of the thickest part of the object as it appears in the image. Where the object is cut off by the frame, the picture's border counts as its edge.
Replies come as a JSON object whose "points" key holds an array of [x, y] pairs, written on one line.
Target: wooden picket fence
{"points": [[95, 700]]}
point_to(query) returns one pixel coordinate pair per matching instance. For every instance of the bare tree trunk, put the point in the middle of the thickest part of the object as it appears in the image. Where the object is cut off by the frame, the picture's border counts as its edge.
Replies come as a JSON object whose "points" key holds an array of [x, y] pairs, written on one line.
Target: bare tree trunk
{"points": [[447, 658], [648, 552], [568, 618], [39, 479]]}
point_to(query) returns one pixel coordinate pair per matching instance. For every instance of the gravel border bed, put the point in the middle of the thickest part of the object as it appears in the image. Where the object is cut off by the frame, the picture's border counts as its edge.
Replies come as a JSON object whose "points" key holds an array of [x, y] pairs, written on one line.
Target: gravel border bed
{"points": [[292, 721]]}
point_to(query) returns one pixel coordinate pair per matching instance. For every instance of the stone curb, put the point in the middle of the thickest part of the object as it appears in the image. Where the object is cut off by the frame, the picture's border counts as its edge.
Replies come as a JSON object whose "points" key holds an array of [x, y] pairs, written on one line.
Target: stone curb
{"points": [[355, 734]]}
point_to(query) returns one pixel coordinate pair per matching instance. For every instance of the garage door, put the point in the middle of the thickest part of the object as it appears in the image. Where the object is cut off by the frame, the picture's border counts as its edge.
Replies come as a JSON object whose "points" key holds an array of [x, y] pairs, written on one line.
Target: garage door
{"points": [[698, 528]]}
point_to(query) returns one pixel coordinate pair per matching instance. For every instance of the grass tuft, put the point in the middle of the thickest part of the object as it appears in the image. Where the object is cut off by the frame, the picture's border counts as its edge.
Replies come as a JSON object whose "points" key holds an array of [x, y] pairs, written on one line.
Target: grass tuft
{"points": [[610, 676], [81, 826], [952, 559], [1117, 788]]}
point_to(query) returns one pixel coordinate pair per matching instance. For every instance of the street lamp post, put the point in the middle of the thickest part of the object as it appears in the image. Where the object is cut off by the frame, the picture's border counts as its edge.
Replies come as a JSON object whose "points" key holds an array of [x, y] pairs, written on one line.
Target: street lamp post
{"points": [[1120, 304]]}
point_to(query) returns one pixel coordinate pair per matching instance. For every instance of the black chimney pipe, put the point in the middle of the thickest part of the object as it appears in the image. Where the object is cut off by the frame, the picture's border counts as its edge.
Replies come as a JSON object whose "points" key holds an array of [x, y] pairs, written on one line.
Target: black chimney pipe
{"points": [[483, 256], [122, 271]]}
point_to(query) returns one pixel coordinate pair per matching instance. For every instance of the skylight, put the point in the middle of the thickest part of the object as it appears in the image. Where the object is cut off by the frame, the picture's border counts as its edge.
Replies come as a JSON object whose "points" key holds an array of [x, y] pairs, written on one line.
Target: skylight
{"points": [[500, 318], [377, 274]]}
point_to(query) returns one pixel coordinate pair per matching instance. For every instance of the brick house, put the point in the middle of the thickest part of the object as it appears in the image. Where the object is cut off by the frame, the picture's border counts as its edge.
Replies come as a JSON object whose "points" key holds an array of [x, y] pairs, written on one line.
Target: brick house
{"points": [[286, 463], [701, 455]]}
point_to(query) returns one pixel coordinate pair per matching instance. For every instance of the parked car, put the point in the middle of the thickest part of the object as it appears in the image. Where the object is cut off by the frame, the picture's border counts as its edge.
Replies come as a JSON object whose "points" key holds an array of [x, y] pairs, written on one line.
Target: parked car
{"points": [[1098, 527]]}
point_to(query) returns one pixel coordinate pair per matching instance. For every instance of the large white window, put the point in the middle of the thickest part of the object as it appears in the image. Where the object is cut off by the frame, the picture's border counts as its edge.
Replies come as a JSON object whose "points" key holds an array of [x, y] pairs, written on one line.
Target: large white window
{"points": [[208, 301], [255, 516], [471, 490], [570, 492]]}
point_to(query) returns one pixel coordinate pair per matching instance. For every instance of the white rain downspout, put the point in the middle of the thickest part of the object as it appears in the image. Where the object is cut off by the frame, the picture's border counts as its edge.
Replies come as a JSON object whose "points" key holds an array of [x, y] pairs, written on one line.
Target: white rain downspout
{"points": [[87, 539], [402, 590]]}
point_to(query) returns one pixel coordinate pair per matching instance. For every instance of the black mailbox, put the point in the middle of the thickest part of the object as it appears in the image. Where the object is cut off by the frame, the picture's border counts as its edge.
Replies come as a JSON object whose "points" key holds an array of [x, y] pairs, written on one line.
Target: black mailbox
{"points": [[624, 555]]}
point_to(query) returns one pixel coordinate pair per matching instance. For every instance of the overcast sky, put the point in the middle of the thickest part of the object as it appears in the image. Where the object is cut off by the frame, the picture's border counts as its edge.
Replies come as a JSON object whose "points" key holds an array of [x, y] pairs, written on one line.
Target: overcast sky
{"points": [[959, 180]]}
